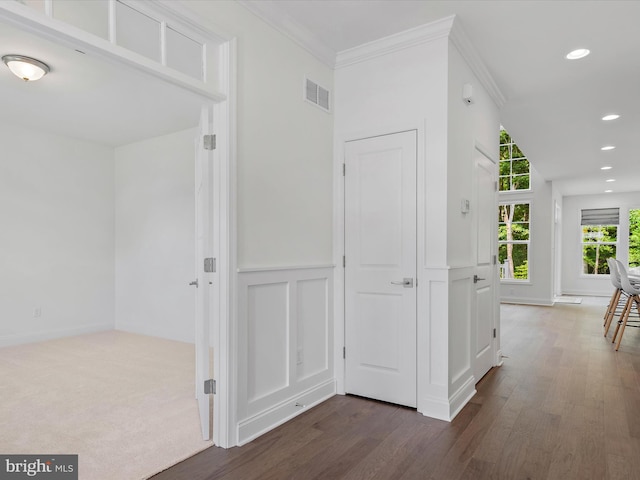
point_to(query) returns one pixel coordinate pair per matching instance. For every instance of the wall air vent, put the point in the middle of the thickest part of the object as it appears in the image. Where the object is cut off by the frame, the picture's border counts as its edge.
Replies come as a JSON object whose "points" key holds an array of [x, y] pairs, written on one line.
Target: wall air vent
{"points": [[316, 94]]}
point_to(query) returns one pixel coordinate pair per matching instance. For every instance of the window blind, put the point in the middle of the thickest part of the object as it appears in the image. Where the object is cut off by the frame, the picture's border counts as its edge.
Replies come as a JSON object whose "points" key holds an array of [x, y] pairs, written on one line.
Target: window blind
{"points": [[600, 216]]}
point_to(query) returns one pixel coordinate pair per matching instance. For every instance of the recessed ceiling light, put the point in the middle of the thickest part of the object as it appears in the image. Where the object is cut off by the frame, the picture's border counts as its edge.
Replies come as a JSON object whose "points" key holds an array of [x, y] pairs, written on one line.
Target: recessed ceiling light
{"points": [[607, 167], [608, 147], [608, 191], [612, 116], [611, 180], [579, 53]]}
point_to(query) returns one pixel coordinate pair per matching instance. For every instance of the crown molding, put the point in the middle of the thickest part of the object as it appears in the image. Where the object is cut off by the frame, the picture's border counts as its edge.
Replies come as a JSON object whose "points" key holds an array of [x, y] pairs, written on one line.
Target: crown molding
{"points": [[465, 47], [447, 27], [398, 41], [268, 11]]}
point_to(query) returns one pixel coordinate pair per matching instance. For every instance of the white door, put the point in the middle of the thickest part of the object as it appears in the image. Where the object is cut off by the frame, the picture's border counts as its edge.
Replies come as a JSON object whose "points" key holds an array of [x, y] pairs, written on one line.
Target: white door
{"points": [[380, 272], [203, 234], [485, 211]]}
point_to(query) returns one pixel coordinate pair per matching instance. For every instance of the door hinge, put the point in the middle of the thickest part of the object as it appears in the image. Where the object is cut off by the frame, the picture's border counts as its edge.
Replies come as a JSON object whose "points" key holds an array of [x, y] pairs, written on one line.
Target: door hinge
{"points": [[494, 333], [344, 169], [495, 185], [344, 261], [344, 352], [209, 142], [209, 265], [210, 386], [495, 259]]}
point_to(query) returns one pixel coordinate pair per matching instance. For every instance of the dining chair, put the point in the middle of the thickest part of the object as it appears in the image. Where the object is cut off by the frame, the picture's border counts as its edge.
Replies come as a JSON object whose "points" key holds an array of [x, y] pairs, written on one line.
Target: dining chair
{"points": [[633, 297], [617, 302]]}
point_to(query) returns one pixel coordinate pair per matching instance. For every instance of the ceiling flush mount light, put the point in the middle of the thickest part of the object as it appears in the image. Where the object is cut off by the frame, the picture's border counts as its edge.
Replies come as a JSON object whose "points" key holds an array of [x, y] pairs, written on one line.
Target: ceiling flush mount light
{"points": [[612, 116], [608, 191], [607, 147], [27, 68], [609, 180], [607, 167], [576, 54]]}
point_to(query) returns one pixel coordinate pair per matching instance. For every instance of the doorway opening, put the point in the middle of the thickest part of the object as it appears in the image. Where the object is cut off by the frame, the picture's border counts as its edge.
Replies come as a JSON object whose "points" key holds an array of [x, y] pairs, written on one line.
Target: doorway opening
{"points": [[100, 193]]}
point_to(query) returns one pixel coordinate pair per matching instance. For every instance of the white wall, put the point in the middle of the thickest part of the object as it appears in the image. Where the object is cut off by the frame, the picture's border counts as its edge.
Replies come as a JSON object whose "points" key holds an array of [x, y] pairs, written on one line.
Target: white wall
{"points": [[284, 214], [470, 126], [573, 281], [284, 175], [57, 236], [154, 236], [538, 290]]}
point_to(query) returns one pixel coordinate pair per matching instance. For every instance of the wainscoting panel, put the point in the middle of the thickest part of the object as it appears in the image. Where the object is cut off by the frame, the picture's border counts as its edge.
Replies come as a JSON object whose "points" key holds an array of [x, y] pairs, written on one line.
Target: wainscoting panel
{"points": [[312, 354], [459, 329], [446, 381], [268, 339], [285, 345]]}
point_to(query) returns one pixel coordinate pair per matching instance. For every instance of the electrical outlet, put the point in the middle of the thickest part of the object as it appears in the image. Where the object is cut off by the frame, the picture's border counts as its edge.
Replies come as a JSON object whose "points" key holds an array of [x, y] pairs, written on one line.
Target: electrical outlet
{"points": [[37, 312], [299, 357]]}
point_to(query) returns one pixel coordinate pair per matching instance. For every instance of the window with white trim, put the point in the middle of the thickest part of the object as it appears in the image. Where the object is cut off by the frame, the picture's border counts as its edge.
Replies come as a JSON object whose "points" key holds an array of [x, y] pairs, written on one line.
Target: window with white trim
{"points": [[514, 235], [514, 167], [634, 237], [599, 239]]}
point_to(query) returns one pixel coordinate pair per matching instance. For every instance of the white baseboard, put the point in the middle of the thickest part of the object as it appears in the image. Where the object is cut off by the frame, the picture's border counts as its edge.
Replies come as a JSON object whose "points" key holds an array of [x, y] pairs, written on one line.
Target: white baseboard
{"points": [[586, 293], [542, 302], [21, 339], [460, 398], [446, 410], [259, 424]]}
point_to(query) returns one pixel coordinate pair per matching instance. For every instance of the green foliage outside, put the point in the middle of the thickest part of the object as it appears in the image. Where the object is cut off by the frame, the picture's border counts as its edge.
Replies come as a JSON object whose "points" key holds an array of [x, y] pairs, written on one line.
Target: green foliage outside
{"points": [[634, 238], [598, 244], [514, 166], [520, 262], [522, 271], [513, 220], [513, 227]]}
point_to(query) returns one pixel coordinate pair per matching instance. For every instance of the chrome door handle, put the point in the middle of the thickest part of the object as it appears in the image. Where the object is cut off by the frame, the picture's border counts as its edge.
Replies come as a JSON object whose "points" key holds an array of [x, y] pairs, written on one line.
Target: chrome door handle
{"points": [[194, 283], [476, 279], [406, 283]]}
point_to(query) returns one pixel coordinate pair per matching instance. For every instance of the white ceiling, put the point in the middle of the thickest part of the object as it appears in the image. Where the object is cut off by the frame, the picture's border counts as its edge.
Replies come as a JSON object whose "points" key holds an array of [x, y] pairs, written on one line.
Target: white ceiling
{"points": [[554, 106], [89, 98]]}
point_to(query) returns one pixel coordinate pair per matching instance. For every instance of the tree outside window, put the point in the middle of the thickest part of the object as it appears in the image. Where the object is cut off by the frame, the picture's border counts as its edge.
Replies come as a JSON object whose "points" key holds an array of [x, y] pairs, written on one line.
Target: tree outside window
{"points": [[634, 238], [599, 238], [598, 244], [514, 166], [513, 240]]}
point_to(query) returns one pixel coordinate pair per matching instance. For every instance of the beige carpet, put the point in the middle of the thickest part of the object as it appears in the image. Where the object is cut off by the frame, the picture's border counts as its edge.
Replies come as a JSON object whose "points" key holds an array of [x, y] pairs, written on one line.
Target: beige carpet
{"points": [[123, 402]]}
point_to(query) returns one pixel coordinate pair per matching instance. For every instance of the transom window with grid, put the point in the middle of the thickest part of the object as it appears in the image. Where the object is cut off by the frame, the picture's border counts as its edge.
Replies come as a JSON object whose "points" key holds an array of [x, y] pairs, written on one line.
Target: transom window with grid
{"points": [[514, 166]]}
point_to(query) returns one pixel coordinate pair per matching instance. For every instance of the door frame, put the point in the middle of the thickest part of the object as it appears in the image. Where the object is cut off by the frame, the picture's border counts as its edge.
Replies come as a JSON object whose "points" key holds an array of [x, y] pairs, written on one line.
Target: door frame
{"points": [[496, 354], [223, 325], [339, 235], [344, 247]]}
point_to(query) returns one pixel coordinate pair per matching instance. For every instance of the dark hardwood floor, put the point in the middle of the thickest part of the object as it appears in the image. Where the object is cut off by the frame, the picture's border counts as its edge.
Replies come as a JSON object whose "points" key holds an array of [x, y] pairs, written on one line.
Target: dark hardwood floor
{"points": [[564, 405]]}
